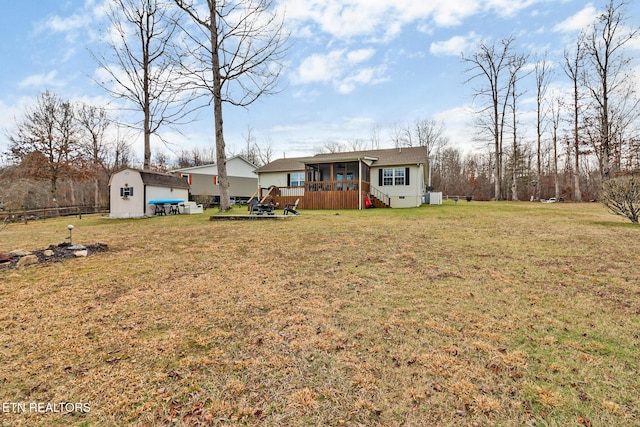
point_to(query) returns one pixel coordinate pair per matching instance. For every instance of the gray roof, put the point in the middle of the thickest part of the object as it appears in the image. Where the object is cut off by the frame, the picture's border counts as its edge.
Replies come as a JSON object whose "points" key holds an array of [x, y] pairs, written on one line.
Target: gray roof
{"points": [[163, 180], [385, 157], [282, 165]]}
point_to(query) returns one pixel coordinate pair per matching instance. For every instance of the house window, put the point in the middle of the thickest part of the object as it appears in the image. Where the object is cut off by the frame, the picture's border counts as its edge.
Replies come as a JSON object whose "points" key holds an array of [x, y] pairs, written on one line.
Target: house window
{"points": [[187, 176], [296, 179], [398, 176], [126, 192], [394, 176]]}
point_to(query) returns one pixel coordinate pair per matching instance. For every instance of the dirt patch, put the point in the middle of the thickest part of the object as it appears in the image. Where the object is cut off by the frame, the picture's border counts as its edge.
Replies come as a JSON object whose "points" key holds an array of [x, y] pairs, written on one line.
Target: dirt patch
{"points": [[53, 253]]}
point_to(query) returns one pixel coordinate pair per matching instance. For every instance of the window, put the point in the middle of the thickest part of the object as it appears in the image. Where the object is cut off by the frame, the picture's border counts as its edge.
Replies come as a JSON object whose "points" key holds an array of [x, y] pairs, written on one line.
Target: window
{"points": [[188, 177], [387, 176], [126, 192], [296, 179], [394, 176]]}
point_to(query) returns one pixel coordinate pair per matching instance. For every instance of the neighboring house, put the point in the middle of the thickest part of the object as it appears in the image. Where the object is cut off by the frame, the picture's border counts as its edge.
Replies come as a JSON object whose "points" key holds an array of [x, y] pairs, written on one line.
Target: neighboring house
{"points": [[390, 178], [203, 180], [130, 191]]}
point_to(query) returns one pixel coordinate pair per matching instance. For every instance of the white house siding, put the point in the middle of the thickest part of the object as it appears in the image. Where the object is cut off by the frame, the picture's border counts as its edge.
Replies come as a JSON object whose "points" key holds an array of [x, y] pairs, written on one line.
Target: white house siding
{"points": [[129, 207], [203, 179], [205, 185], [403, 196], [267, 179]]}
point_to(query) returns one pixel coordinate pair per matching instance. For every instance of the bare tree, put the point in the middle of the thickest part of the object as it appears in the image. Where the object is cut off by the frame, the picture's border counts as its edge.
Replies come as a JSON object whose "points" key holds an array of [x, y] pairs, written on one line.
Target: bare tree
{"points": [[94, 122], [490, 64], [265, 153], [141, 68], [375, 136], [234, 56], [607, 79], [573, 68], [46, 140], [555, 111], [331, 147], [542, 76], [356, 144]]}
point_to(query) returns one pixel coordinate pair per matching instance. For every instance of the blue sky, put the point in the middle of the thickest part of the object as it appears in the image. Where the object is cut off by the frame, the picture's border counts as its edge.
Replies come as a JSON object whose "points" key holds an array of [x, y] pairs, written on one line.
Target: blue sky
{"points": [[353, 65]]}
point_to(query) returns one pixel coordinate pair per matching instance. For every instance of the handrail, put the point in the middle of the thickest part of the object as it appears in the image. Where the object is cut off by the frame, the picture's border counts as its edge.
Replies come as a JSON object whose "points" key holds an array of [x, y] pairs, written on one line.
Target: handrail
{"points": [[384, 198]]}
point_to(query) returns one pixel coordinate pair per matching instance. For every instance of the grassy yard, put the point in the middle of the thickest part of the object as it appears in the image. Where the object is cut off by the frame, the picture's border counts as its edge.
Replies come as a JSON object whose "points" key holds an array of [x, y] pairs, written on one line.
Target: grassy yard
{"points": [[476, 314]]}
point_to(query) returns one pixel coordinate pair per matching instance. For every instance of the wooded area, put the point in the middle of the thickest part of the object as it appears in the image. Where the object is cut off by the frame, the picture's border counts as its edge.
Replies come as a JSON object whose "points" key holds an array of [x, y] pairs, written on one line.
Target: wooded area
{"points": [[62, 153]]}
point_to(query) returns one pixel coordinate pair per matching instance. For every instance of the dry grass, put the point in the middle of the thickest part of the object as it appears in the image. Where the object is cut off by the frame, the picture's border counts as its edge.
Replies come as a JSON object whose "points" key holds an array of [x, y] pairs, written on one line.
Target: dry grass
{"points": [[476, 314]]}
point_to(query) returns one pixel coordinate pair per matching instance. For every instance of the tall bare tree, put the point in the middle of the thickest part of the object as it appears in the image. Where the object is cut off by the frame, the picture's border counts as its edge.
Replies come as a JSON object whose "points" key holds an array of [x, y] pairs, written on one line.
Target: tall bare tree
{"points": [[607, 78], [573, 68], [542, 76], [141, 66], [516, 66], [235, 50], [491, 64], [555, 112], [94, 122]]}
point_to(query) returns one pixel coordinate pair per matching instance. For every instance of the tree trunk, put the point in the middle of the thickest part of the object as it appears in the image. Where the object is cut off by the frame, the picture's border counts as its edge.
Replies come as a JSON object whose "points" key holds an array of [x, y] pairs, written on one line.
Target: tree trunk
{"points": [[577, 195], [221, 157], [555, 165]]}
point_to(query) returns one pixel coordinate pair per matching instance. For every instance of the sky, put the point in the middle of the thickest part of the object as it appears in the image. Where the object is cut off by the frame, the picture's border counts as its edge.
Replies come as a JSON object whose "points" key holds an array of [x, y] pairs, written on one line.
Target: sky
{"points": [[353, 66]]}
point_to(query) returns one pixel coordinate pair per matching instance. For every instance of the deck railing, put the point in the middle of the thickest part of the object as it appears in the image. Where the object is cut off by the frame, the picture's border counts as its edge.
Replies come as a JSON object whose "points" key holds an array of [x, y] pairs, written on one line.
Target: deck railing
{"points": [[343, 185]]}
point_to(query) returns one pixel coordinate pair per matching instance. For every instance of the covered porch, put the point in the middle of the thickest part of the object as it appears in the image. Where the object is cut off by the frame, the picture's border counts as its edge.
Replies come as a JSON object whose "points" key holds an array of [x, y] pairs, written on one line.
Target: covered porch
{"points": [[334, 185]]}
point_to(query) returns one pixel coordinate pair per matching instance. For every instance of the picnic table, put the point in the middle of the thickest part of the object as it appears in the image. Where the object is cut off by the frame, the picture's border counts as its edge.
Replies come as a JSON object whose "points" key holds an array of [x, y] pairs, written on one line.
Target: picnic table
{"points": [[160, 206], [262, 208]]}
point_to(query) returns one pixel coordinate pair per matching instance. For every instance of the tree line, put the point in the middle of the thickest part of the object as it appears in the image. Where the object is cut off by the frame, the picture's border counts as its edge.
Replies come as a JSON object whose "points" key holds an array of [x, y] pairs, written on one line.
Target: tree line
{"points": [[183, 58]]}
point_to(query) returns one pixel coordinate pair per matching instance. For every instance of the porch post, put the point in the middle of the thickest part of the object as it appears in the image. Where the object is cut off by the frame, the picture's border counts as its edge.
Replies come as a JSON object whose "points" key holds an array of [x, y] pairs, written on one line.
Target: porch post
{"points": [[359, 184]]}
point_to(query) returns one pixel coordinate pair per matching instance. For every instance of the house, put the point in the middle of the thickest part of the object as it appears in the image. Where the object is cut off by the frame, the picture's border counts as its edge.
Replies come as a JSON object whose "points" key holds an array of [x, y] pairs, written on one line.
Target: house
{"points": [[130, 191], [390, 178], [203, 180]]}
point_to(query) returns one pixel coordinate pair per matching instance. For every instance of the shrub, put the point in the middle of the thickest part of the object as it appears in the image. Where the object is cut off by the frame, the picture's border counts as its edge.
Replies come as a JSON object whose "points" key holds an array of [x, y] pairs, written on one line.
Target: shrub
{"points": [[622, 196]]}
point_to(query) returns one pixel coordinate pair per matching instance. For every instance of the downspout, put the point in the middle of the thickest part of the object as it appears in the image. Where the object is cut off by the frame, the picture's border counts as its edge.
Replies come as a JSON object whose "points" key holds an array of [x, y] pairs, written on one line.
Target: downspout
{"points": [[360, 183]]}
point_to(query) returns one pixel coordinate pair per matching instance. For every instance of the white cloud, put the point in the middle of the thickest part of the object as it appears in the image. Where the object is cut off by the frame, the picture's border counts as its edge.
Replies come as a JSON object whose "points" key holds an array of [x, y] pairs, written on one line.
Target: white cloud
{"points": [[458, 121], [455, 45], [41, 80], [579, 21], [320, 68], [340, 68], [360, 55], [66, 24], [383, 20]]}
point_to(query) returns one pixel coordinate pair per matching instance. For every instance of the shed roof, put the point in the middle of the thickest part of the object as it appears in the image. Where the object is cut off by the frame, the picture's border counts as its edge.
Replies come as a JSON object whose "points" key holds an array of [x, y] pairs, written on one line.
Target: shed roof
{"points": [[163, 180]]}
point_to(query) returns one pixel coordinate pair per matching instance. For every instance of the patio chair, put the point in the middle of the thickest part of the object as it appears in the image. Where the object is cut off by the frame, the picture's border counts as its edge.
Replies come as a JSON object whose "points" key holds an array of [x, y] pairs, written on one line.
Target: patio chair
{"points": [[254, 207], [292, 208]]}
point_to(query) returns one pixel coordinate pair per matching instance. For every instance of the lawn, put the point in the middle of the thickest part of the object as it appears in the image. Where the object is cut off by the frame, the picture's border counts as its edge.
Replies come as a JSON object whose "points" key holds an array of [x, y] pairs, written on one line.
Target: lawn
{"points": [[475, 314]]}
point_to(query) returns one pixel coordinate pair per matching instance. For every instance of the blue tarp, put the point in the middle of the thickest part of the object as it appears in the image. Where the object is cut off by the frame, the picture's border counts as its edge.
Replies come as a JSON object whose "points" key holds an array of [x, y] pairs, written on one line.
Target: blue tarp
{"points": [[165, 201]]}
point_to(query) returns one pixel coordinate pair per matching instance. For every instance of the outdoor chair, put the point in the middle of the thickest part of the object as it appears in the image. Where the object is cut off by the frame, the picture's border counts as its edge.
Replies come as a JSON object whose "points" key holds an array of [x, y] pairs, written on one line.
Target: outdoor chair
{"points": [[292, 208], [254, 207]]}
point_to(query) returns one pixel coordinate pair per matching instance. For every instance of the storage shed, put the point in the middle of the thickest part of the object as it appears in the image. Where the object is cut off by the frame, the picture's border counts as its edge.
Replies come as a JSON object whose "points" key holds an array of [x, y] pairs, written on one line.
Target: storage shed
{"points": [[130, 191]]}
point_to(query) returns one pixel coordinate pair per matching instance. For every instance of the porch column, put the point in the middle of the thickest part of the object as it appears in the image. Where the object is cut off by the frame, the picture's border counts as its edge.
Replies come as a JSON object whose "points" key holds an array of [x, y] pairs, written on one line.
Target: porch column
{"points": [[360, 184]]}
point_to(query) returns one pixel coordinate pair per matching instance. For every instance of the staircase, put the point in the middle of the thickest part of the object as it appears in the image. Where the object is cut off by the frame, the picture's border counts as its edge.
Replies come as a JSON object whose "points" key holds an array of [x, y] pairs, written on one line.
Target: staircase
{"points": [[378, 198]]}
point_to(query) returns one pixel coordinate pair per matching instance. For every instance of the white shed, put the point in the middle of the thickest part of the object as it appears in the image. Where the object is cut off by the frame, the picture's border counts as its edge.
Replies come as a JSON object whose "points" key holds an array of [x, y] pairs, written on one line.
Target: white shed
{"points": [[130, 191]]}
